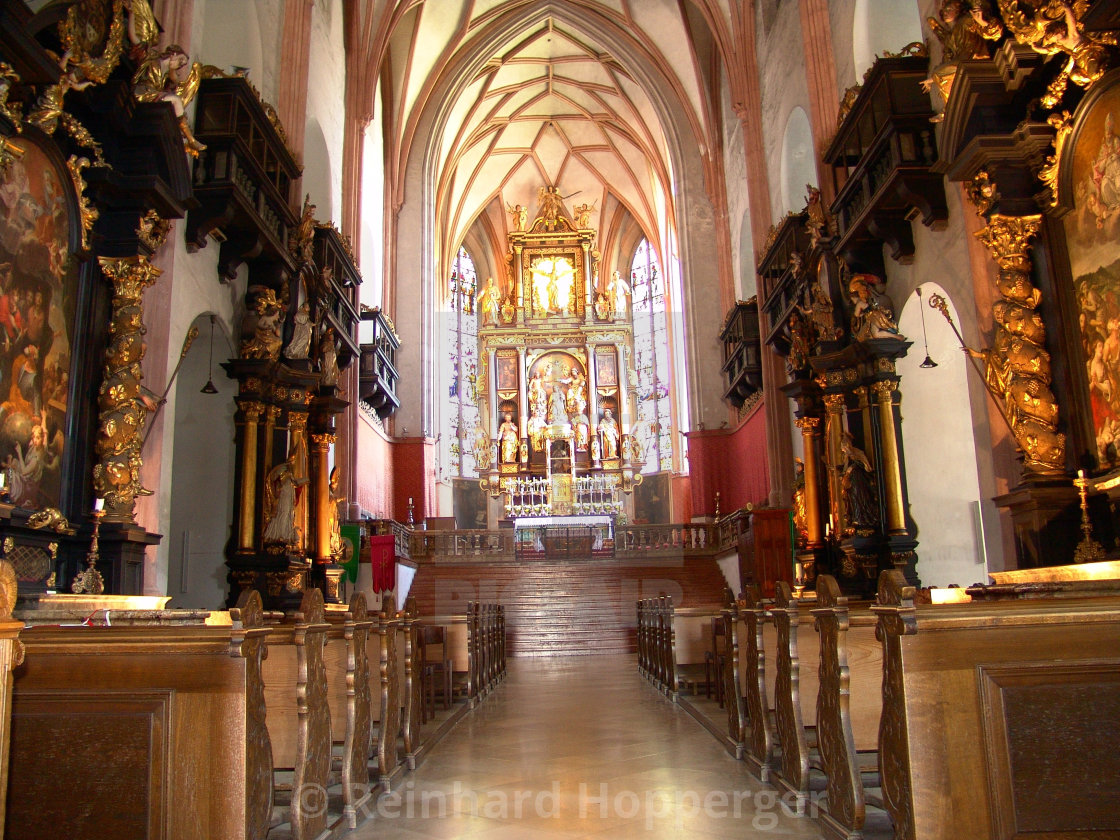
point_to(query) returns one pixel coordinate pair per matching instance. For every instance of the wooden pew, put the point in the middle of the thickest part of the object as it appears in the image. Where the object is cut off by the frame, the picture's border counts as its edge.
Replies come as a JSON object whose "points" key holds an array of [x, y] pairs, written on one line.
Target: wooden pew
{"points": [[389, 694], [409, 658], [350, 698], [849, 703], [758, 738], [142, 732], [486, 647], [729, 679], [1000, 719], [792, 773], [299, 716]]}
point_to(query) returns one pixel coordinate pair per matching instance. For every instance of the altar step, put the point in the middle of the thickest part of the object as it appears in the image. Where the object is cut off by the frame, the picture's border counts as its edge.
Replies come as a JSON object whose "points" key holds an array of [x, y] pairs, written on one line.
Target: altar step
{"points": [[571, 607]]}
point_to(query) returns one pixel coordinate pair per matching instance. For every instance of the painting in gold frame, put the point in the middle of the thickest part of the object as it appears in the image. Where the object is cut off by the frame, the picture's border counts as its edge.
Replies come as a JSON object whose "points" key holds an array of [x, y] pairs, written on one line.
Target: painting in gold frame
{"points": [[38, 292]]}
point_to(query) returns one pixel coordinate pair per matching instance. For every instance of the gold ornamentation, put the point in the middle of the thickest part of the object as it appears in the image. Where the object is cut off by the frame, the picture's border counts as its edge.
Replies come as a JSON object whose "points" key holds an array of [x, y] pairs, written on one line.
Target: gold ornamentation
{"points": [[12, 110], [265, 342], [48, 518], [1053, 27], [87, 212], [10, 152], [302, 241], [9, 589], [1013, 370], [123, 407], [157, 79], [153, 230], [965, 34], [982, 192], [9, 544], [846, 102], [1063, 127], [1088, 550]]}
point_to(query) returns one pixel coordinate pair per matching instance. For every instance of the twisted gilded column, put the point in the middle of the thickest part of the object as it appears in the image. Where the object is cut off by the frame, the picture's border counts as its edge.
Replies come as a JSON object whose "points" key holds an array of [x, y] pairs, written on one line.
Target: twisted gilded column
{"points": [[320, 481], [122, 409], [890, 468], [810, 434], [1017, 366], [247, 503]]}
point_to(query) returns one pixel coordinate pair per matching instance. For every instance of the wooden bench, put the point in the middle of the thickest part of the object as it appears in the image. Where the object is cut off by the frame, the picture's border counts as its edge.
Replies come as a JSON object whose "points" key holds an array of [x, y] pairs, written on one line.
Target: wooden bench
{"points": [[350, 698], [142, 732], [757, 734], [660, 643], [486, 649], [299, 715], [1000, 719], [849, 704]]}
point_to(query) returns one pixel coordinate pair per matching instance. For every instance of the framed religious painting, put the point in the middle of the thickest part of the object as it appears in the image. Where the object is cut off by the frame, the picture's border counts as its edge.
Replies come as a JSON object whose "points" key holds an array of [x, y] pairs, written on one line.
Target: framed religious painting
{"points": [[1089, 184], [553, 283], [39, 233]]}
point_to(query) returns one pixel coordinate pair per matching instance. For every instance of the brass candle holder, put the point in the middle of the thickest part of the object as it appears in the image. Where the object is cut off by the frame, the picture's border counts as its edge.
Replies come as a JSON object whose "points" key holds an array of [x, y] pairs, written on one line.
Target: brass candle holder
{"points": [[1088, 550], [89, 581]]}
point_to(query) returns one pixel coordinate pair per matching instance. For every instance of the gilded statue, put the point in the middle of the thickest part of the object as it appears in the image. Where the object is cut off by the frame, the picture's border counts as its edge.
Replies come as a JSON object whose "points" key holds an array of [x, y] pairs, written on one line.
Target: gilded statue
{"points": [[334, 499], [798, 357], [819, 312], [8, 77], [800, 519], [280, 488], [965, 31], [481, 449], [583, 216], [602, 307], [872, 313], [302, 244], [608, 434], [538, 409], [509, 440], [550, 203], [518, 216], [817, 224], [1051, 27], [157, 79], [328, 358], [265, 341], [490, 304]]}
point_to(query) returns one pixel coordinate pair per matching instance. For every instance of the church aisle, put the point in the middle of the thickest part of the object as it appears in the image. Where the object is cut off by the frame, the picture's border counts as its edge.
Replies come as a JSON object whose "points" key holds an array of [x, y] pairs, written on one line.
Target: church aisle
{"points": [[580, 747]]}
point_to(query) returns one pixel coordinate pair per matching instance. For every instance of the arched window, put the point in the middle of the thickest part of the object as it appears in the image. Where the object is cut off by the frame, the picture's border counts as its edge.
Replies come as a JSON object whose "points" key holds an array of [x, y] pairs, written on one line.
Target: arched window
{"points": [[460, 342], [652, 358]]}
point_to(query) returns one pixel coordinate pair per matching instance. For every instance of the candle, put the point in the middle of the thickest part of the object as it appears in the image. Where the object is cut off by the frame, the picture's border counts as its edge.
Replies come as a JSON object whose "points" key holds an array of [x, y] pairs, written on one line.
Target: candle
{"points": [[1081, 473], [98, 504], [410, 500]]}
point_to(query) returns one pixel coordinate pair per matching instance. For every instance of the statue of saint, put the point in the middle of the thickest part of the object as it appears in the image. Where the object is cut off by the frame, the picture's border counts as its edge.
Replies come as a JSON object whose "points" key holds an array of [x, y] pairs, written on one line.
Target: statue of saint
{"points": [[608, 434], [518, 216], [300, 343], [872, 315], [490, 303], [509, 439], [602, 307], [280, 490], [857, 487], [334, 499], [618, 289], [157, 79], [328, 358], [557, 405]]}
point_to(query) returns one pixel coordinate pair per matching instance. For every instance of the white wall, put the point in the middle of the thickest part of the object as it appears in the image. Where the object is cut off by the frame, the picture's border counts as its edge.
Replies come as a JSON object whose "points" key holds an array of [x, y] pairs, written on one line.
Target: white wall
{"points": [[937, 438], [882, 25]]}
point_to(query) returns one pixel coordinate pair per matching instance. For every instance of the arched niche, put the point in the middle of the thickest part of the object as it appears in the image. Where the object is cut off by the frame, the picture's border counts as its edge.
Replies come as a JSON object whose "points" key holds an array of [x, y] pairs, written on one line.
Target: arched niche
{"points": [[231, 36], [798, 164], [939, 446], [317, 181], [202, 478], [880, 25]]}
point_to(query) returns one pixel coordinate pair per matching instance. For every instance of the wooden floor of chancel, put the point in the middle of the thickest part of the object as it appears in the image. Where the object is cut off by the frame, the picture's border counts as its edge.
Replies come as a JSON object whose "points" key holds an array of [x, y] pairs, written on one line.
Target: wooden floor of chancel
{"points": [[580, 747]]}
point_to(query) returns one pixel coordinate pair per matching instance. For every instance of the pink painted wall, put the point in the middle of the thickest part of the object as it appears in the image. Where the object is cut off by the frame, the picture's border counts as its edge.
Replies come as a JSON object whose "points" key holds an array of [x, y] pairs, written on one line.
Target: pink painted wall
{"points": [[375, 471], [731, 461], [414, 473]]}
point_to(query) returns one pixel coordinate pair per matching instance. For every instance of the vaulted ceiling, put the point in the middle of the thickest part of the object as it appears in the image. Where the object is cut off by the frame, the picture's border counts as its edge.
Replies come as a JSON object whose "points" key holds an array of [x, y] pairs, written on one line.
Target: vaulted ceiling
{"points": [[539, 97]]}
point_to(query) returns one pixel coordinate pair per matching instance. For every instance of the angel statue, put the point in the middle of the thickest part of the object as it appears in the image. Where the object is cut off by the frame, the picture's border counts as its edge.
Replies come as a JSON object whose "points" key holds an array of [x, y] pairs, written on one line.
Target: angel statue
{"points": [[964, 31], [518, 216], [583, 216], [157, 80]]}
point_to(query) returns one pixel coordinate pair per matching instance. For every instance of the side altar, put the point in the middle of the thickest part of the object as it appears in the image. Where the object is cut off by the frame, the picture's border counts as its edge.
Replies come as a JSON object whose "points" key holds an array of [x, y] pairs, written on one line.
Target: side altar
{"points": [[557, 387]]}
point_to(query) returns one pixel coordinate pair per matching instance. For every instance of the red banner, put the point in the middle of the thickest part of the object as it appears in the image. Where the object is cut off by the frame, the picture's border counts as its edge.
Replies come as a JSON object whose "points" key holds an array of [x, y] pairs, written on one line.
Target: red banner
{"points": [[383, 559]]}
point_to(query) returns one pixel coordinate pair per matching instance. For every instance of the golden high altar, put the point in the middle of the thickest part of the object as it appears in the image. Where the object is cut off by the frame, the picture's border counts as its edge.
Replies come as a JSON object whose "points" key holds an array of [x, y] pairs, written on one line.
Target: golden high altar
{"points": [[558, 388]]}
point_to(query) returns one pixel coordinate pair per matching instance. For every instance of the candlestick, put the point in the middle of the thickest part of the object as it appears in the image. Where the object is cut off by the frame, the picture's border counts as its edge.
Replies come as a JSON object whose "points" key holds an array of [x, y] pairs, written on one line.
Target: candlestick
{"points": [[90, 580], [1088, 550]]}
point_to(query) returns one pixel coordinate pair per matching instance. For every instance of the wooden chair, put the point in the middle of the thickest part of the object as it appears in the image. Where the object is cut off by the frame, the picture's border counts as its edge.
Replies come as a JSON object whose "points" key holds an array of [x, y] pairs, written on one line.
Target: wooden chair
{"points": [[436, 669]]}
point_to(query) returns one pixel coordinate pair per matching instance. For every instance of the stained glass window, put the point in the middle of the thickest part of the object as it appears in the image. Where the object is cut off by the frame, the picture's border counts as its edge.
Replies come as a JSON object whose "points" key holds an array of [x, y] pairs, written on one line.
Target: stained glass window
{"points": [[460, 342], [651, 358]]}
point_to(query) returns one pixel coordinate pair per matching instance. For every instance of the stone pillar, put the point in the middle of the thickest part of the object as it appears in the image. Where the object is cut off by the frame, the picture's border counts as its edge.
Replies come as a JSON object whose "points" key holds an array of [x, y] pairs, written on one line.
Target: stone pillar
{"points": [[248, 422], [891, 469], [122, 410], [321, 495], [810, 436]]}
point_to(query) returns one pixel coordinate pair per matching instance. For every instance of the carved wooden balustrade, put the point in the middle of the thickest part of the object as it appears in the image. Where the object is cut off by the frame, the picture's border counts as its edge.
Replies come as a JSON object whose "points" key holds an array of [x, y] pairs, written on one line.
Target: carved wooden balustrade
{"points": [[758, 739], [377, 376], [434, 546], [402, 535], [660, 657], [742, 354]]}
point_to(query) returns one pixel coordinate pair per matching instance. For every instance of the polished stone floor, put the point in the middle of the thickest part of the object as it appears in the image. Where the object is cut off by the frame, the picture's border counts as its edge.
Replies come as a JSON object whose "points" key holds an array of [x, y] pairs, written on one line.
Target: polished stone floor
{"points": [[579, 747]]}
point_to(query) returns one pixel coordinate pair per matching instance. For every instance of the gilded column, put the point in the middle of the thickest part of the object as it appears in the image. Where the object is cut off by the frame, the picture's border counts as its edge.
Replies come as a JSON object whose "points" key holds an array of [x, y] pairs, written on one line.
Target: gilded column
{"points": [[122, 409], [320, 482], [491, 385], [272, 414], [810, 435], [247, 505], [1017, 366], [588, 290], [523, 392], [297, 442], [865, 415], [834, 426], [517, 285], [891, 469]]}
